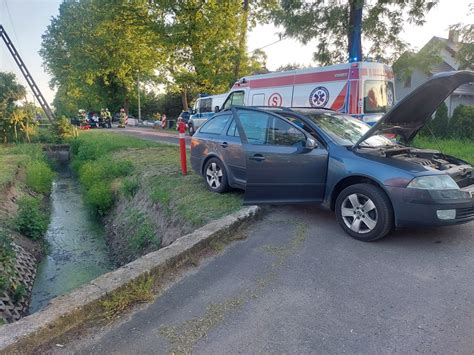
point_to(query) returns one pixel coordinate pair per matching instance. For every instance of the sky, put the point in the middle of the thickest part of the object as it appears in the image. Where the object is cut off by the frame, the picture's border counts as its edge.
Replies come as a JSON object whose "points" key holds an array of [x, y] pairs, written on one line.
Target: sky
{"points": [[26, 20]]}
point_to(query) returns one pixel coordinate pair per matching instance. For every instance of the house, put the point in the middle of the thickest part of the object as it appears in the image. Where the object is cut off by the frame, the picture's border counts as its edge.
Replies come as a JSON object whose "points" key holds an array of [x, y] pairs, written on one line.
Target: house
{"points": [[448, 48]]}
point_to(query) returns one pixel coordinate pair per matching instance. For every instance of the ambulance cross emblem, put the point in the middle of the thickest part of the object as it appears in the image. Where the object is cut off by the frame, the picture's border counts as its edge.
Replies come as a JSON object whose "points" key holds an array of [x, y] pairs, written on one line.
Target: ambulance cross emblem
{"points": [[319, 97]]}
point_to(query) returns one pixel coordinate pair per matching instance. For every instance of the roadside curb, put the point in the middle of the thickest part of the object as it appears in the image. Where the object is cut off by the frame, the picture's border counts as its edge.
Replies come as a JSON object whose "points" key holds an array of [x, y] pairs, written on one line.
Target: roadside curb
{"points": [[69, 311]]}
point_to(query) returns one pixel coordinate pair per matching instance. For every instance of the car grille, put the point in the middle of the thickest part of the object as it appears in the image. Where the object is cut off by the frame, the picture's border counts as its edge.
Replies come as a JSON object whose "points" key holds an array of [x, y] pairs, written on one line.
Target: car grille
{"points": [[465, 212]]}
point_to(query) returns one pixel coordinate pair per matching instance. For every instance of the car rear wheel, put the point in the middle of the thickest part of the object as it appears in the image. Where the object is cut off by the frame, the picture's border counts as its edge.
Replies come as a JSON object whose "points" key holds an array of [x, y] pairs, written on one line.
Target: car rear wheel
{"points": [[216, 176], [364, 212]]}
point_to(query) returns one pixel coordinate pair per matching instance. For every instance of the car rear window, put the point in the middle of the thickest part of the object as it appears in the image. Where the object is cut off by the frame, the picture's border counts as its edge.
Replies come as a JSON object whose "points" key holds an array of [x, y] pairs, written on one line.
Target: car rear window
{"points": [[215, 125]]}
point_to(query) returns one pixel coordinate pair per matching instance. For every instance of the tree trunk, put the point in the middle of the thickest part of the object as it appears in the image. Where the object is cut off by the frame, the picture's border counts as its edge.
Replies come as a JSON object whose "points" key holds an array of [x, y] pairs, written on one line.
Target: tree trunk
{"points": [[242, 38], [354, 47], [184, 99]]}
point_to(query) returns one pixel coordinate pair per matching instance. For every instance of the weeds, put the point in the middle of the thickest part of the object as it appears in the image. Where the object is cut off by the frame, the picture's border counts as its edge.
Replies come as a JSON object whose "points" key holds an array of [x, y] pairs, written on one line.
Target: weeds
{"points": [[130, 187], [7, 262], [31, 220], [39, 177], [142, 232], [137, 292]]}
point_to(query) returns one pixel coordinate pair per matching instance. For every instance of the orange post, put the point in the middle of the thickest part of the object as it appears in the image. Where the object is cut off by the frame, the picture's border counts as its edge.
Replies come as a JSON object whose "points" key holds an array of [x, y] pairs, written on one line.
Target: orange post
{"points": [[182, 146]]}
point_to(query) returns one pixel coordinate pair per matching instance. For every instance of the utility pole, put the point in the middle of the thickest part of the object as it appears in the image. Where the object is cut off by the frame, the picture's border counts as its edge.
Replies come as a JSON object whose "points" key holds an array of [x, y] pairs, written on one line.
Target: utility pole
{"points": [[138, 94], [29, 79]]}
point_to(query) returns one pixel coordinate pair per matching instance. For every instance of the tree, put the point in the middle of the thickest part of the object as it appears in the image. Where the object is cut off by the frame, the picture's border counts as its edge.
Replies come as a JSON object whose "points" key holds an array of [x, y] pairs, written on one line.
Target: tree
{"points": [[465, 53], [205, 44], [423, 61], [330, 23], [290, 66], [94, 51], [10, 92]]}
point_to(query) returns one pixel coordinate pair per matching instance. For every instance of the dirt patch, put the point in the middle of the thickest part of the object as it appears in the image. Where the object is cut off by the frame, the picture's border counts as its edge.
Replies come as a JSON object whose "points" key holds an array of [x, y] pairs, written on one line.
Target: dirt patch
{"points": [[126, 236]]}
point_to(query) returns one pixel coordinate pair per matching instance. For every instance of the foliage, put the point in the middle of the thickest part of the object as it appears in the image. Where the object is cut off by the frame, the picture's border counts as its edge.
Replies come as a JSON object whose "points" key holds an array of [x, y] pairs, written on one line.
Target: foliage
{"points": [[97, 176], [94, 50], [423, 61], [130, 187], [136, 292], [290, 66], [39, 176], [63, 130], [330, 24], [465, 54], [31, 220], [439, 125], [16, 123], [142, 233], [461, 125]]}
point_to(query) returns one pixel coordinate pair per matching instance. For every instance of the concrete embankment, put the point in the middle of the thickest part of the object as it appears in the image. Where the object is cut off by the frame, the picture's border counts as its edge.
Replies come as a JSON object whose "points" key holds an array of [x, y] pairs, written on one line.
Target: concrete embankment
{"points": [[70, 311]]}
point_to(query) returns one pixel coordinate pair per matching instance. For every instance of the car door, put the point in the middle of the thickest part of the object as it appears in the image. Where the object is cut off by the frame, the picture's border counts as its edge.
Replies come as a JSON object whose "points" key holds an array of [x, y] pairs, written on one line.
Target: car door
{"points": [[279, 167], [234, 154]]}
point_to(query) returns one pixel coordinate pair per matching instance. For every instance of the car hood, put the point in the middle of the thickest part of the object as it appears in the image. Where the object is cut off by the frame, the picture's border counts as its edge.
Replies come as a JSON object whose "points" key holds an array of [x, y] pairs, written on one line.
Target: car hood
{"points": [[413, 112]]}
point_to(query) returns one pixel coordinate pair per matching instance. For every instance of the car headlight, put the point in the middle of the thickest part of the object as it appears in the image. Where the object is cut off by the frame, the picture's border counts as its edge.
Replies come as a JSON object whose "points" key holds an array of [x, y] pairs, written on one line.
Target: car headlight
{"points": [[434, 182]]}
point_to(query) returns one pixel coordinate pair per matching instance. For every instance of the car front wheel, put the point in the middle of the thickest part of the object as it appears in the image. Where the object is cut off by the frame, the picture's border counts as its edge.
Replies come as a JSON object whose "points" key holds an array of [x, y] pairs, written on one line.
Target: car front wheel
{"points": [[191, 129], [364, 212], [216, 176]]}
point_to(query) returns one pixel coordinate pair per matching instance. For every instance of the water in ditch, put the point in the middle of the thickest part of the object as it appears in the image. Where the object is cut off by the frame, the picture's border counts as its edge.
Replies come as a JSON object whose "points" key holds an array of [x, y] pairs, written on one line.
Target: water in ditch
{"points": [[76, 249]]}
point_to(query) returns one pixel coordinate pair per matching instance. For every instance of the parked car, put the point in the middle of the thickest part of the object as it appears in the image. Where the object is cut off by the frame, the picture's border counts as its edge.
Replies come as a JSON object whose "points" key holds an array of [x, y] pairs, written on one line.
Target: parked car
{"points": [[309, 155]]}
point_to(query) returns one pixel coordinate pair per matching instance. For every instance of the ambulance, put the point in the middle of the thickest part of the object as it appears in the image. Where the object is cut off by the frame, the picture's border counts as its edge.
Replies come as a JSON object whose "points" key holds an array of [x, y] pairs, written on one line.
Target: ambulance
{"points": [[363, 89]]}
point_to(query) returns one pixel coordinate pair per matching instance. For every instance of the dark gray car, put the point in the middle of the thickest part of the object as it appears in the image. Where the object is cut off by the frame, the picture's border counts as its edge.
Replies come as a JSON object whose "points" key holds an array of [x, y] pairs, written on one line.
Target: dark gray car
{"points": [[281, 156]]}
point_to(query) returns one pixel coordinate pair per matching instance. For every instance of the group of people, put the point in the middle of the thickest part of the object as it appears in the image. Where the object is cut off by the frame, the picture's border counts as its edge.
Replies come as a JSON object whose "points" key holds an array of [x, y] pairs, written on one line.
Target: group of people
{"points": [[104, 120]]}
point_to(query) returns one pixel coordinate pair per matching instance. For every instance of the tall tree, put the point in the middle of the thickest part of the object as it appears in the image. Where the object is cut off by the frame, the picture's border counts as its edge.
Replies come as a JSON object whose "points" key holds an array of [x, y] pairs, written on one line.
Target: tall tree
{"points": [[205, 44], [331, 24], [10, 92], [94, 50]]}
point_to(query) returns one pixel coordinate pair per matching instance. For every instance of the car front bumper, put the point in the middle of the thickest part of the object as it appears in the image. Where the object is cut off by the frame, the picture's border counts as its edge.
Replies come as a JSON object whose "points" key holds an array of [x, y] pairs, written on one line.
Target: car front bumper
{"points": [[417, 207]]}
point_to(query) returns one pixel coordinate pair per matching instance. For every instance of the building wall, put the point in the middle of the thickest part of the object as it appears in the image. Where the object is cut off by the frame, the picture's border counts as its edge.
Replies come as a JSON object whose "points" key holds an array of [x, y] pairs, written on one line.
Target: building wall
{"points": [[417, 78]]}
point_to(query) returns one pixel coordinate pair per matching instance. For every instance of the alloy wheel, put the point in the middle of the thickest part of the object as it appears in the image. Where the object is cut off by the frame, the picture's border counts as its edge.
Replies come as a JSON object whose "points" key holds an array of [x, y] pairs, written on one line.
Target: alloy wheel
{"points": [[359, 213], [214, 175]]}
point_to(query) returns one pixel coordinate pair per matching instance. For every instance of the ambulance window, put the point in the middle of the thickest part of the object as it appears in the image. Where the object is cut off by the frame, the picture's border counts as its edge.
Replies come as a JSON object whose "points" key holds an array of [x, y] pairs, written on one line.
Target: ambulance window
{"points": [[205, 105], [234, 99], [215, 125], [258, 100], [378, 96]]}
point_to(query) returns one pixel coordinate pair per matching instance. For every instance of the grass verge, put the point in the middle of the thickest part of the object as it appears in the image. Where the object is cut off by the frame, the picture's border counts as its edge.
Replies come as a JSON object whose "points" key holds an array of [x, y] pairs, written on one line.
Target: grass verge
{"points": [[143, 182]]}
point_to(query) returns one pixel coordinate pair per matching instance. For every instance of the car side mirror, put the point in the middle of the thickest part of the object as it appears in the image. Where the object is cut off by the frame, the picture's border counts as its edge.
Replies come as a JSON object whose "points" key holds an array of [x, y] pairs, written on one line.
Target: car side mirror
{"points": [[216, 109], [311, 143]]}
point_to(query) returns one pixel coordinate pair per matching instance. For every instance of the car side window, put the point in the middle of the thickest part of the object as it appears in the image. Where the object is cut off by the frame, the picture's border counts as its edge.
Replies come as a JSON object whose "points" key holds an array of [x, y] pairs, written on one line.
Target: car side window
{"points": [[235, 99], [215, 125], [232, 131], [262, 128]]}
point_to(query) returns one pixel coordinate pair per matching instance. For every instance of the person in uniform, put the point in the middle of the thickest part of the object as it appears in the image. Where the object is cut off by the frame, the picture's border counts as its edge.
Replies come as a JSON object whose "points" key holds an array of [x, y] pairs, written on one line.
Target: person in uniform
{"points": [[122, 118], [108, 118]]}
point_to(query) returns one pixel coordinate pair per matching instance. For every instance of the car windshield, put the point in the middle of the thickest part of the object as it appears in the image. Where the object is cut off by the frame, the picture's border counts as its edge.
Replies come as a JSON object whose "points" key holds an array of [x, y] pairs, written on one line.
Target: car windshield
{"points": [[345, 130]]}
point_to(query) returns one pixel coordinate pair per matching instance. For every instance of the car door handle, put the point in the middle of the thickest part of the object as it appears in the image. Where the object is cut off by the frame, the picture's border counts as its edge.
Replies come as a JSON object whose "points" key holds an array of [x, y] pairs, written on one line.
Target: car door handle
{"points": [[257, 157], [224, 144]]}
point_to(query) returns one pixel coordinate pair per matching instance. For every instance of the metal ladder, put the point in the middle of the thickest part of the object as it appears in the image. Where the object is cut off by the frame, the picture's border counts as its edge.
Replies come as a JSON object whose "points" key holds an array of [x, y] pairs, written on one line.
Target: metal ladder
{"points": [[36, 91]]}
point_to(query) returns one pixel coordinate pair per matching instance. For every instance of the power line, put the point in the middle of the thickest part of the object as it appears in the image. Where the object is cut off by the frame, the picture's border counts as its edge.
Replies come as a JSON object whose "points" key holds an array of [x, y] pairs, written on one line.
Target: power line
{"points": [[282, 37]]}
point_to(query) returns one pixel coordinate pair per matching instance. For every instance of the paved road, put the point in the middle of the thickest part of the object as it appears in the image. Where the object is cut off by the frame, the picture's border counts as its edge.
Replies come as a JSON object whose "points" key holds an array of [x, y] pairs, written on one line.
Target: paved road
{"points": [[298, 285], [152, 134]]}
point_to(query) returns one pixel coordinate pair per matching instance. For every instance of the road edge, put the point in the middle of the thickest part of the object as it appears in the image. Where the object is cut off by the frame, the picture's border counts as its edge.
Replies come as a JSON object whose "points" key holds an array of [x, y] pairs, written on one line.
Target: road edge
{"points": [[68, 312]]}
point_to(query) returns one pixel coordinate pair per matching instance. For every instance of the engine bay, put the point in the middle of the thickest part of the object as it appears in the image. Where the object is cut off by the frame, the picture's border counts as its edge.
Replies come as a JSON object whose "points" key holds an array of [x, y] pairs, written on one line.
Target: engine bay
{"points": [[460, 171]]}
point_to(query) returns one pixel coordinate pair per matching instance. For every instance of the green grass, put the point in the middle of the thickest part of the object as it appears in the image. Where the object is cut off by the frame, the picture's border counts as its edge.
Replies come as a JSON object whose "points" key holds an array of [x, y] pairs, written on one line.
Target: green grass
{"points": [[457, 148], [157, 168], [9, 166]]}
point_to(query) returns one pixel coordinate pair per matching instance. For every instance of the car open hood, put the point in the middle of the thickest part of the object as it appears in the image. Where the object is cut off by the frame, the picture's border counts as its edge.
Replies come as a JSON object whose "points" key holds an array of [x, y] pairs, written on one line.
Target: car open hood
{"points": [[413, 112]]}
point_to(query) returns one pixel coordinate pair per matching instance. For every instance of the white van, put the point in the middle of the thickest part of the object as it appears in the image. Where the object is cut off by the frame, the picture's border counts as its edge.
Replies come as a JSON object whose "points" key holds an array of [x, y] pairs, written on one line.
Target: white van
{"points": [[364, 90], [204, 107]]}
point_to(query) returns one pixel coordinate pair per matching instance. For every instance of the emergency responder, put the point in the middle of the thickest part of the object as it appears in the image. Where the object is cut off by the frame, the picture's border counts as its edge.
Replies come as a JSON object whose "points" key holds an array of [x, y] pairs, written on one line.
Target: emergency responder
{"points": [[102, 118], [108, 118], [122, 118]]}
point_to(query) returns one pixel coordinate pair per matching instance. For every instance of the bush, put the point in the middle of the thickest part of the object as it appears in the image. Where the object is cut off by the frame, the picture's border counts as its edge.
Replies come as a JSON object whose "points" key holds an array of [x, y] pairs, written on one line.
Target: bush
{"points": [[438, 126], [462, 123], [39, 177], [96, 177], [63, 130], [31, 220]]}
